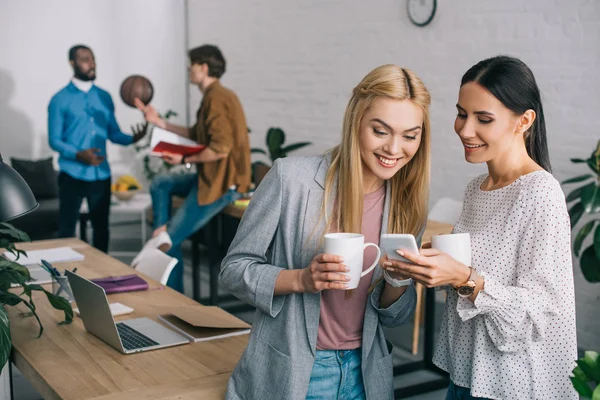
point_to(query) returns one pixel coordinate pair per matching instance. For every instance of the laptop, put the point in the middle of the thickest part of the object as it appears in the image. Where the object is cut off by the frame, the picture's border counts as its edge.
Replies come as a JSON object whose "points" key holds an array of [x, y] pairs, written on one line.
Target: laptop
{"points": [[128, 336]]}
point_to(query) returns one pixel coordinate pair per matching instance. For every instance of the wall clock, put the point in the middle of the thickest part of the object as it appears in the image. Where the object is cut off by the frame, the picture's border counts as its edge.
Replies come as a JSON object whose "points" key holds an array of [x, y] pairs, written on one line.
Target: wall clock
{"points": [[421, 12]]}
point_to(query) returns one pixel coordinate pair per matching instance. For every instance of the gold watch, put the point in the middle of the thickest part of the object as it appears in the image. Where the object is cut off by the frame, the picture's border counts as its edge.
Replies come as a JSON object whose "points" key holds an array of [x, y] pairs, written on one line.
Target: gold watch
{"points": [[468, 288]]}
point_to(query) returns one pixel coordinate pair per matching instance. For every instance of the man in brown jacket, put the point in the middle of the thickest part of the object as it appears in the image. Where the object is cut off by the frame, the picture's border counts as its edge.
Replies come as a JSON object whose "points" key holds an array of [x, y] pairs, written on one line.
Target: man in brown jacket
{"points": [[223, 167]]}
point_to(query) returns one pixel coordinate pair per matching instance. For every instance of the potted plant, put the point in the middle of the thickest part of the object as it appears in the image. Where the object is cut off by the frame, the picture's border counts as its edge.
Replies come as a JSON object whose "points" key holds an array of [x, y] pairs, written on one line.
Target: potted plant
{"points": [[585, 200], [11, 272], [586, 376], [275, 141]]}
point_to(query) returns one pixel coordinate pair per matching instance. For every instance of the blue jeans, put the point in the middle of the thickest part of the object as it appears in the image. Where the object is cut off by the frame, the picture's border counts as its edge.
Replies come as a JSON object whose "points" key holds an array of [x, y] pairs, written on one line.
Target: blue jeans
{"points": [[336, 374], [189, 218], [460, 393]]}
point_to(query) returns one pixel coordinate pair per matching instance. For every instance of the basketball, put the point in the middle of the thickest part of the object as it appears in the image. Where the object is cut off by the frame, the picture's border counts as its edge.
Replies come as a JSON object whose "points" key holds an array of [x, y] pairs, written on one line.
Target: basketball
{"points": [[136, 86]]}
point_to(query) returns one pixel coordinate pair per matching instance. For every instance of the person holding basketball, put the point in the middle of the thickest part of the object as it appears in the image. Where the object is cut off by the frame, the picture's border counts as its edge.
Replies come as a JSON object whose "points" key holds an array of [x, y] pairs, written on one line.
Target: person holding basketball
{"points": [[81, 118]]}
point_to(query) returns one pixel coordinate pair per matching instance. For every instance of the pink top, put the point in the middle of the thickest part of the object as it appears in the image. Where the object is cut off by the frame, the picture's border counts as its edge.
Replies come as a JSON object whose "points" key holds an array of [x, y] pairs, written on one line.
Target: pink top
{"points": [[341, 319]]}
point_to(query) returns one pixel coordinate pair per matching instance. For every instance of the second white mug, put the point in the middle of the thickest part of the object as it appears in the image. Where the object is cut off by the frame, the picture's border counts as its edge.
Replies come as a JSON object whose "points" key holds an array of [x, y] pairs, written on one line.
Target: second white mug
{"points": [[457, 245]]}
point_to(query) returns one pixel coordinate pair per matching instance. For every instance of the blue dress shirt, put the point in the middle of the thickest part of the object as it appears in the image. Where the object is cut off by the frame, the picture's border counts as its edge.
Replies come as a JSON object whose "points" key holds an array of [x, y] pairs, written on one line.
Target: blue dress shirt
{"points": [[80, 120]]}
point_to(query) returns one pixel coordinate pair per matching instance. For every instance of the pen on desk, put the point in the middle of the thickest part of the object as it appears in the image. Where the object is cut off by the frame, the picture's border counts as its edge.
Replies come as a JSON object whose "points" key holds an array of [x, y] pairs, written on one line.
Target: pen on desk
{"points": [[50, 268]]}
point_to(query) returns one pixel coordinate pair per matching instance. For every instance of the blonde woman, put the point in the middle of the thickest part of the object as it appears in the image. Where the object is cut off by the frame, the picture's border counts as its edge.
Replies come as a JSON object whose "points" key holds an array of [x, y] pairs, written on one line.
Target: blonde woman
{"points": [[311, 338]]}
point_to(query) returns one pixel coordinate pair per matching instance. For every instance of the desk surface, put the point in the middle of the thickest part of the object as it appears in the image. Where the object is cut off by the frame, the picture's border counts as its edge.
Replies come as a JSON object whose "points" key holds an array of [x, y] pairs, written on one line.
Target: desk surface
{"points": [[66, 362]]}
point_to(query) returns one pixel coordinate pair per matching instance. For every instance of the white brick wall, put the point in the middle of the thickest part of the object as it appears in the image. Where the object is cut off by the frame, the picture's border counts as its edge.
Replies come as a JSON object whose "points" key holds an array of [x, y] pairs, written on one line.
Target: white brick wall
{"points": [[293, 64]]}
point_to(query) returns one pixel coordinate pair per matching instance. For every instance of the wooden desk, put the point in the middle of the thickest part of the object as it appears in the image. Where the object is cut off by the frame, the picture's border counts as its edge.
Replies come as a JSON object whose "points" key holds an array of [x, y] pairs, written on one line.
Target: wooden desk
{"points": [[67, 362]]}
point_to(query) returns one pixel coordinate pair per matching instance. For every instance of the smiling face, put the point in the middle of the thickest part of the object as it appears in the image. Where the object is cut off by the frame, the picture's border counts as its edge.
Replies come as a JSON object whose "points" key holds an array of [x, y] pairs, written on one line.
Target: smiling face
{"points": [[487, 129], [389, 137]]}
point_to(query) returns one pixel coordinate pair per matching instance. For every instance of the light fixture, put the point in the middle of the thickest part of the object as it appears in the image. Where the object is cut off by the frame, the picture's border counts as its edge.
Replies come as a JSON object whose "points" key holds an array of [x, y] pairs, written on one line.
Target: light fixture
{"points": [[16, 197]]}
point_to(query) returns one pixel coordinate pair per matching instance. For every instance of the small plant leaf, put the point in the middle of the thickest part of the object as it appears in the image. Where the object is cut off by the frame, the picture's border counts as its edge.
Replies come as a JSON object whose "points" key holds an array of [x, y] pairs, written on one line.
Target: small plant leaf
{"points": [[592, 164], [596, 394], [578, 160], [10, 299], [5, 339], [295, 146], [590, 266], [257, 150], [575, 214], [581, 387], [56, 301], [275, 138], [580, 178], [590, 198], [576, 194], [581, 235], [591, 360]]}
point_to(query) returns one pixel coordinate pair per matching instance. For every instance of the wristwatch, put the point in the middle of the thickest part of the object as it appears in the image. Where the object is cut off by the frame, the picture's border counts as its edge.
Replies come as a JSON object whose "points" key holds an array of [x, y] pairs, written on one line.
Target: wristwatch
{"points": [[468, 288], [396, 282]]}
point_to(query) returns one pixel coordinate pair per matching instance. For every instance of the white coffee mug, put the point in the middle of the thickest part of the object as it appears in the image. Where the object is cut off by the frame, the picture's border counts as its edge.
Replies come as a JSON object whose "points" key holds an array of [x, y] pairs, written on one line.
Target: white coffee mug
{"points": [[351, 246], [457, 245]]}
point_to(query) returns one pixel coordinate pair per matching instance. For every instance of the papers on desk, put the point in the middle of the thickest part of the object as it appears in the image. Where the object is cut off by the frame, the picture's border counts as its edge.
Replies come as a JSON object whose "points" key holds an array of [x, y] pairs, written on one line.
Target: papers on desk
{"points": [[199, 323], [54, 255], [38, 274], [163, 140]]}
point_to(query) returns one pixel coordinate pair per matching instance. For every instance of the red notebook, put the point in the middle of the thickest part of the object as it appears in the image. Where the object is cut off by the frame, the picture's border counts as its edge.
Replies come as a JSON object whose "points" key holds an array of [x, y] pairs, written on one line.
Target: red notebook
{"points": [[184, 150]]}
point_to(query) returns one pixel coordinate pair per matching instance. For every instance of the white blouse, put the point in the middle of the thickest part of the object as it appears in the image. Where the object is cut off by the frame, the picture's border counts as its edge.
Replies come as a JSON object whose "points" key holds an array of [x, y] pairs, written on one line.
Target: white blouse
{"points": [[518, 340]]}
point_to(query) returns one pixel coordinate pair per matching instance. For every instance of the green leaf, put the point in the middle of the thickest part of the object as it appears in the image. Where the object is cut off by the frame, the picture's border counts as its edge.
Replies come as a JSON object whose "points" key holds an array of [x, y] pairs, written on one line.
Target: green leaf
{"points": [[596, 242], [590, 266], [9, 276], [592, 164], [56, 301], [5, 339], [295, 146], [576, 194], [578, 160], [575, 214], [581, 235], [590, 198], [32, 308], [596, 395], [275, 139], [256, 150], [10, 299], [581, 387], [591, 361], [578, 179], [579, 374]]}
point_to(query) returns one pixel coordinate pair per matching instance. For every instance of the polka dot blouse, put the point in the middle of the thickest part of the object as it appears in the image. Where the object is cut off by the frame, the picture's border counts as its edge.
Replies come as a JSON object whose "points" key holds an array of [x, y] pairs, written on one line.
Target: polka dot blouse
{"points": [[518, 340]]}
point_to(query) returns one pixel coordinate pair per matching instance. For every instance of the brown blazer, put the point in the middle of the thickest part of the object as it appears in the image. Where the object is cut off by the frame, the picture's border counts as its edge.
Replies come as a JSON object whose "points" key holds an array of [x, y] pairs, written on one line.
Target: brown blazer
{"points": [[222, 127]]}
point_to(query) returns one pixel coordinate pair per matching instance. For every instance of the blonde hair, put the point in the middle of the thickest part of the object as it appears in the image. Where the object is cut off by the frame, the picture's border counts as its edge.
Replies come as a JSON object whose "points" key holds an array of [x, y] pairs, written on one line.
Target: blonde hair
{"points": [[409, 187]]}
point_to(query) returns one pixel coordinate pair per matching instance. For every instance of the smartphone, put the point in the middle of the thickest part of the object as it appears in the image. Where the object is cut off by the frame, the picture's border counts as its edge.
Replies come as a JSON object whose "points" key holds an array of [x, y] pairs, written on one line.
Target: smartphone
{"points": [[390, 242]]}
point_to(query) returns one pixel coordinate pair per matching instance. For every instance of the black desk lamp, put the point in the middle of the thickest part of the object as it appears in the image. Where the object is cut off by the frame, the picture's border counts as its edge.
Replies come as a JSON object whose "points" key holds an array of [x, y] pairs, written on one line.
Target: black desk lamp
{"points": [[16, 198]]}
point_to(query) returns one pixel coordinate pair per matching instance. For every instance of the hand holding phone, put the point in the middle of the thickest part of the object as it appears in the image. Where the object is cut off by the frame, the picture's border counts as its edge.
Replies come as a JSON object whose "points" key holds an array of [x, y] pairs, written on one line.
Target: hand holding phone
{"points": [[390, 242]]}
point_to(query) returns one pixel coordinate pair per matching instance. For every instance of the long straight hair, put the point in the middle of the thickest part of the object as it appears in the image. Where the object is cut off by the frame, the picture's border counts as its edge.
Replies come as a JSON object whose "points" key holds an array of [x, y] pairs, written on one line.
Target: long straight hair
{"points": [[409, 187], [511, 81]]}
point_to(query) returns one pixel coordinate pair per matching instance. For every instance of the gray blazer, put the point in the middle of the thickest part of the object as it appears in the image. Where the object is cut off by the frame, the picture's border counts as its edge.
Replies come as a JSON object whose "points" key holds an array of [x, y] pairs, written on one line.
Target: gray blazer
{"points": [[276, 232]]}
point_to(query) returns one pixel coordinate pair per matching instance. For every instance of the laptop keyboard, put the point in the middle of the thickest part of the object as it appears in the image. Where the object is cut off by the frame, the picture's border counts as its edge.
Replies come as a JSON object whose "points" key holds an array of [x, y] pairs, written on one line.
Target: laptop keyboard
{"points": [[132, 339]]}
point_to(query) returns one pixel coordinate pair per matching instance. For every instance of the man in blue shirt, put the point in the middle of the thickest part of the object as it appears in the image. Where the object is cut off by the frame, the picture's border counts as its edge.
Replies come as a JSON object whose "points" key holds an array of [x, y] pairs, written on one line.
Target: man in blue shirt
{"points": [[81, 117]]}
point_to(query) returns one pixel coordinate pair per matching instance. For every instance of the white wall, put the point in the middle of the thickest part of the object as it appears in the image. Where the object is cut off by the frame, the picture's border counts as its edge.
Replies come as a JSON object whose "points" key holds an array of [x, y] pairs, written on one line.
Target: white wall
{"points": [[127, 37], [294, 63]]}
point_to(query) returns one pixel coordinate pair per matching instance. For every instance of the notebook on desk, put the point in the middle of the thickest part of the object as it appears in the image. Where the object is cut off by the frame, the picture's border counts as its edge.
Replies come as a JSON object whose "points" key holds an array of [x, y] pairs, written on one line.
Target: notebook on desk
{"points": [[200, 323], [52, 255]]}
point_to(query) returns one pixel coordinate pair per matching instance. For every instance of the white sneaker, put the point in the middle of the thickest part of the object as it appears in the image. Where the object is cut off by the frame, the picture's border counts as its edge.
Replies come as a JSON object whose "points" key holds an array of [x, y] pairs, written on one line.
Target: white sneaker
{"points": [[162, 241]]}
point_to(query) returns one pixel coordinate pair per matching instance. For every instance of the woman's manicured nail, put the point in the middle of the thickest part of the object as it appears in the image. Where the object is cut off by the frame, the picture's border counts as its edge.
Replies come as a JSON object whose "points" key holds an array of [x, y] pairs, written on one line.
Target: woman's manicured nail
{"points": [[387, 264], [400, 252]]}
